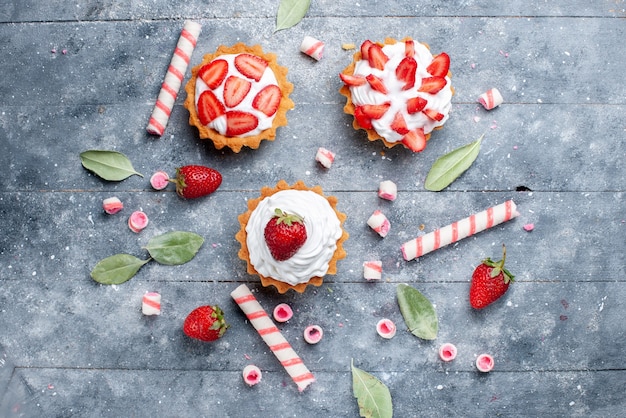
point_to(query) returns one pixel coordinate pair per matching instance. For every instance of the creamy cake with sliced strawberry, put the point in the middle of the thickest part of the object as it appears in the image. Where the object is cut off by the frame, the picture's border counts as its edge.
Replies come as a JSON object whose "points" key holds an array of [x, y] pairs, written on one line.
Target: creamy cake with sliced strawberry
{"points": [[292, 236], [238, 97], [398, 92]]}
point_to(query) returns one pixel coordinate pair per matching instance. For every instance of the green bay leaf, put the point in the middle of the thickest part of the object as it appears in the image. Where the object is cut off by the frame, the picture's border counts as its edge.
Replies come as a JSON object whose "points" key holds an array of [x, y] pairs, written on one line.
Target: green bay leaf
{"points": [[418, 313], [109, 165], [449, 167], [117, 269], [174, 248], [373, 397], [290, 12]]}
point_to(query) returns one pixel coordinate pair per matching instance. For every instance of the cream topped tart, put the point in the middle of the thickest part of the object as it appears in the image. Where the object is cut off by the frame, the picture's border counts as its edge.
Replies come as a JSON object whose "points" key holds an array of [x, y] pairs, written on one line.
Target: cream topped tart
{"points": [[238, 97], [315, 258], [398, 92]]}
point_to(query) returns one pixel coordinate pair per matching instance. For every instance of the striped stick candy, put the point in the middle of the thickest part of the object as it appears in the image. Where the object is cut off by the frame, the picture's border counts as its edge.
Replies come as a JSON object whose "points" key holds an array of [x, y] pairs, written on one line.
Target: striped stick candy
{"points": [[464, 228], [491, 98], [272, 336], [151, 303], [379, 223], [312, 47], [174, 78]]}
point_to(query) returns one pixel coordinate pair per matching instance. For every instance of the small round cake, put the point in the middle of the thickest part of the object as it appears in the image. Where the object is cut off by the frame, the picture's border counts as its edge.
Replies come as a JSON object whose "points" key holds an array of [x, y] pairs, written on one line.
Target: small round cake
{"points": [[398, 92], [316, 255], [238, 97]]}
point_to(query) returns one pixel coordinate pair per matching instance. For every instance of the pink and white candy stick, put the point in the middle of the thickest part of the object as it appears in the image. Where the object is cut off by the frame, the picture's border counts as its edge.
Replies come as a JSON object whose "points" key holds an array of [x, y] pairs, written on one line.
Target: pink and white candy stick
{"points": [[174, 78], [379, 223], [272, 336], [458, 230], [325, 157], [490, 99], [373, 270], [151, 303], [312, 47], [388, 190]]}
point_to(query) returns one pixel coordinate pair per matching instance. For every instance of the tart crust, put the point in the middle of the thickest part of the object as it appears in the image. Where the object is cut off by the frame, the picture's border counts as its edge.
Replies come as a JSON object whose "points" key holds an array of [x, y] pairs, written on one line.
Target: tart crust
{"points": [[241, 236], [236, 143]]}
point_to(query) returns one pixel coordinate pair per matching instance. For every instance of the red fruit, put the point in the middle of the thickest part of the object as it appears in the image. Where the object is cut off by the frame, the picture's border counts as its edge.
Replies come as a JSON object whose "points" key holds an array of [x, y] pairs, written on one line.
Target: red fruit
{"points": [[415, 104], [205, 323], [251, 66], [365, 46], [376, 57], [490, 281], [440, 65], [352, 80], [409, 48], [214, 73], [376, 83], [415, 140], [362, 119], [268, 99], [433, 114], [432, 85], [209, 107], [239, 123], [194, 181], [235, 90], [399, 124], [375, 111], [284, 234], [406, 72]]}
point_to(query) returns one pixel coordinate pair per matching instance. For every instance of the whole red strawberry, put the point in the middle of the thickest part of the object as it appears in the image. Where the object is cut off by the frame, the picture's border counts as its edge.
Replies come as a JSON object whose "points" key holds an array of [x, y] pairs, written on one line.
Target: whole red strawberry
{"points": [[490, 281], [205, 323], [194, 181], [284, 234]]}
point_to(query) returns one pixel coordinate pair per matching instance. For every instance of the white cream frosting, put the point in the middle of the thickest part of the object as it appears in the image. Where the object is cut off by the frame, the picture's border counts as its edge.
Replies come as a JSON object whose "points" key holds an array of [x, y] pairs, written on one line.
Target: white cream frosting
{"points": [[397, 97], [323, 229], [219, 124]]}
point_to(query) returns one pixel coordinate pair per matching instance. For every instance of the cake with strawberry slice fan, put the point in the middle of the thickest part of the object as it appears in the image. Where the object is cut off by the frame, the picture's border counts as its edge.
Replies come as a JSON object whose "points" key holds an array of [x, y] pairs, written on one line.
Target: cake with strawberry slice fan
{"points": [[398, 92], [238, 97], [292, 236]]}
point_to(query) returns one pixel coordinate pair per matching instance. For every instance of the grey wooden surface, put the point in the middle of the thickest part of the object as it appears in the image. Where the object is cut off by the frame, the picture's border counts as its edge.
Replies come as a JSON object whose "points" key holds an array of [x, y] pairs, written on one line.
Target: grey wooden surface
{"points": [[71, 347]]}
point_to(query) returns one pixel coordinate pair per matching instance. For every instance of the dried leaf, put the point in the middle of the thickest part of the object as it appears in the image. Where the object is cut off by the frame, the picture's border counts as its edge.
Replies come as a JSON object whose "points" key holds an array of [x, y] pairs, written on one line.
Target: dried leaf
{"points": [[174, 248], [290, 12], [110, 165], [117, 269], [449, 167], [373, 397], [418, 313]]}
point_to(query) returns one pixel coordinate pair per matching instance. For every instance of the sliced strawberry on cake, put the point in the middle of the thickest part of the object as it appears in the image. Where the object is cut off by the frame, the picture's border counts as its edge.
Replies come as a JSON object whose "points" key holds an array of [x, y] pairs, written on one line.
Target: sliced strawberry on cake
{"points": [[251, 66], [268, 100]]}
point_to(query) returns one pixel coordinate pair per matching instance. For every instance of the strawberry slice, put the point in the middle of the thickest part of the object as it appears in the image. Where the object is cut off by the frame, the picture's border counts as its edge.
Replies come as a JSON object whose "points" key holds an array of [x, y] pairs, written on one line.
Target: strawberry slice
{"points": [[433, 114], [214, 73], [268, 99], [415, 140], [209, 107], [352, 80], [239, 123], [432, 85], [251, 66], [409, 48], [362, 119], [235, 90], [375, 111], [365, 46], [399, 124], [406, 72], [415, 104], [440, 65], [376, 83], [376, 57]]}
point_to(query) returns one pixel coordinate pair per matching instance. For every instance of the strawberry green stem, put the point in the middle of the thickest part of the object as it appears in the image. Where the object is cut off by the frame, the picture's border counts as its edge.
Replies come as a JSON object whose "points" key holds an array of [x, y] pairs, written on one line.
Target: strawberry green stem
{"points": [[498, 267]]}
